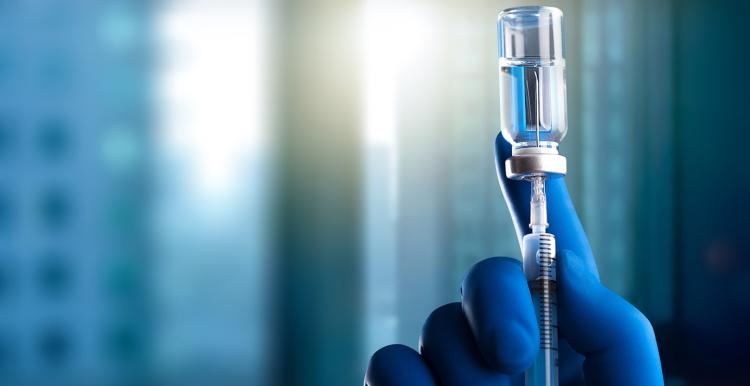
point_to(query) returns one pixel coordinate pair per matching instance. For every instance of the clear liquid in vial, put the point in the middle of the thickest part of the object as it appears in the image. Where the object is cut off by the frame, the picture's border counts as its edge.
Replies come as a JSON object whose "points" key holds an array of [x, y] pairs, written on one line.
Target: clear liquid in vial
{"points": [[533, 109]]}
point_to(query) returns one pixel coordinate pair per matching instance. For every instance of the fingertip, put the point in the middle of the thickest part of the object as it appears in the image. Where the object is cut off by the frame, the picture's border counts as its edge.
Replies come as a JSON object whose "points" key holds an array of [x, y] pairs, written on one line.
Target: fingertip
{"points": [[510, 348], [398, 365], [493, 264], [500, 313], [502, 147], [489, 269], [449, 347]]}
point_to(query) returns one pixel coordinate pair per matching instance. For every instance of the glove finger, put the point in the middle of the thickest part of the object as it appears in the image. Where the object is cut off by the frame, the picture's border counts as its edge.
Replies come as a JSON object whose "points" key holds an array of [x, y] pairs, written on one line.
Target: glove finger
{"points": [[563, 219], [398, 365], [500, 314], [450, 349], [616, 339], [571, 365]]}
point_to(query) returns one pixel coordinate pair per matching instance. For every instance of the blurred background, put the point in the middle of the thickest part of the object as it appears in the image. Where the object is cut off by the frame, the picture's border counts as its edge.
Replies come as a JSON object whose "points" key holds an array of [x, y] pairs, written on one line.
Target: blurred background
{"points": [[260, 192]]}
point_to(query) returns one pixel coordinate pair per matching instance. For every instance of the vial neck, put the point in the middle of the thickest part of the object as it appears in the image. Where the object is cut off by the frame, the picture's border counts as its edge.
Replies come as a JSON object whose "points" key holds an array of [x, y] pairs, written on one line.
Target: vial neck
{"points": [[544, 147], [538, 214]]}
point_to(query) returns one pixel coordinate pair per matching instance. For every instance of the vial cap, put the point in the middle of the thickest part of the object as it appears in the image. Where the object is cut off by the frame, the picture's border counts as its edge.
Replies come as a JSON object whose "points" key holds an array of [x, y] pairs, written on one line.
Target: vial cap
{"points": [[531, 35]]}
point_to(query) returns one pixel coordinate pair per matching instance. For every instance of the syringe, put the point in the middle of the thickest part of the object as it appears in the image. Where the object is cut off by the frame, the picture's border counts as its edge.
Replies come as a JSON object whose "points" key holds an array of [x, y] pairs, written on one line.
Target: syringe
{"points": [[539, 265], [534, 120]]}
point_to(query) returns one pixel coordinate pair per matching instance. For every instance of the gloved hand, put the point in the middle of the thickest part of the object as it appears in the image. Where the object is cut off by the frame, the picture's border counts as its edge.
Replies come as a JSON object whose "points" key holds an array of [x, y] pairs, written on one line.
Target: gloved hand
{"points": [[491, 336]]}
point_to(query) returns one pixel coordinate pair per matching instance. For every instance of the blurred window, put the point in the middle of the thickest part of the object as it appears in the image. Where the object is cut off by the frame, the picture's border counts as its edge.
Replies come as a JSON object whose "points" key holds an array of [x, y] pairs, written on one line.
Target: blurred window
{"points": [[125, 87], [6, 278], [123, 278], [55, 346], [5, 64], [54, 72], [7, 210], [54, 274], [54, 139], [121, 149], [121, 27], [6, 137], [123, 343], [124, 214], [7, 353], [55, 208]]}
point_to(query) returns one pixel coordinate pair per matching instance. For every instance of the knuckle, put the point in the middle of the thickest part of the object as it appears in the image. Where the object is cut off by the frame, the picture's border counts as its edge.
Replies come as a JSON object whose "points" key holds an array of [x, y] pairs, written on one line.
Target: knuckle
{"points": [[635, 324]]}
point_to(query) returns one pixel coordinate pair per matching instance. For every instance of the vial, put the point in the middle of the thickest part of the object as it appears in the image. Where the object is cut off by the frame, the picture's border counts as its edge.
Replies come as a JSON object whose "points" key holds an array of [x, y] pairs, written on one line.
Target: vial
{"points": [[533, 108]]}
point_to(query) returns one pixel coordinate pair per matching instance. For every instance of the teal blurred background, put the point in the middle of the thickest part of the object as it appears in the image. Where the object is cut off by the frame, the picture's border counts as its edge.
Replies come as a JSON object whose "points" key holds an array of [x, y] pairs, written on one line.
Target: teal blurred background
{"points": [[260, 192]]}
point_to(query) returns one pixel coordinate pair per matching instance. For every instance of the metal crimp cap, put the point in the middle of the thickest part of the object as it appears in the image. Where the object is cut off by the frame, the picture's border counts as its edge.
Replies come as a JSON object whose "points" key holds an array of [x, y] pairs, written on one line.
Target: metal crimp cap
{"points": [[520, 166]]}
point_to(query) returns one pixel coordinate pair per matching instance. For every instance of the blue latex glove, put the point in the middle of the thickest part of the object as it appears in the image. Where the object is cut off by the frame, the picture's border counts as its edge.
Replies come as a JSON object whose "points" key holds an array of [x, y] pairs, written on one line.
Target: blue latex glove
{"points": [[491, 336]]}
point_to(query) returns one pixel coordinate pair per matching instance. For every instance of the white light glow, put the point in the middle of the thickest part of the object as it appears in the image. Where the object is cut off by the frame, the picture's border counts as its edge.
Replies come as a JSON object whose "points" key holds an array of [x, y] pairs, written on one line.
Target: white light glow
{"points": [[395, 33], [211, 278], [210, 91]]}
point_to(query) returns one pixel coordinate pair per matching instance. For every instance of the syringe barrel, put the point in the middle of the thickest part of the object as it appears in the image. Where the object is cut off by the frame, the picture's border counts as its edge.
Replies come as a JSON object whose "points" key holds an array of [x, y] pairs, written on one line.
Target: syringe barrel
{"points": [[540, 268]]}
